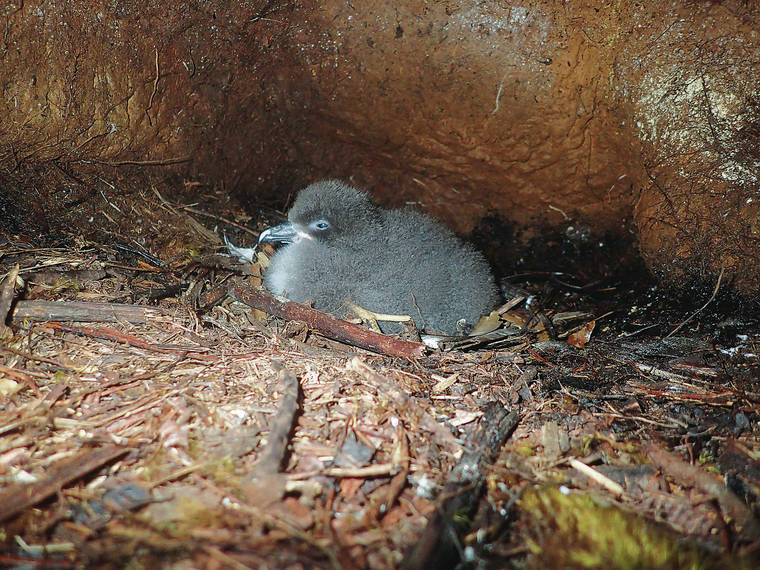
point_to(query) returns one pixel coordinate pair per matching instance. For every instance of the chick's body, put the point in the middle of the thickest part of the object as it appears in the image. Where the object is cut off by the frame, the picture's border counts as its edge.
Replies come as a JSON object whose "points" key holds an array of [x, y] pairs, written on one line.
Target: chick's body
{"points": [[345, 249]]}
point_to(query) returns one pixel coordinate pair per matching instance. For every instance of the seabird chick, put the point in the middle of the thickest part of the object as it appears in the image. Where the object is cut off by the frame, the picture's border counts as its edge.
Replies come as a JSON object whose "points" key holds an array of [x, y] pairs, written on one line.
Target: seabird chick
{"points": [[343, 249]]}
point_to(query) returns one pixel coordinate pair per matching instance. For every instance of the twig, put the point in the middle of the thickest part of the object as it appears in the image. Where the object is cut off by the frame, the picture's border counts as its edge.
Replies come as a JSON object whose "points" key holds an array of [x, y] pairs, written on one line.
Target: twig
{"points": [[34, 357], [155, 89], [51, 277], [561, 211], [157, 162], [381, 503], [591, 473], [266, 484], [702, 308], [346, 472], [28, 380], [327, 325], [659, 372], [82, 312], [279, 433], [194, 210], [498, 94], [511, 304], [222, 559], [20, 497], [116, 336]]}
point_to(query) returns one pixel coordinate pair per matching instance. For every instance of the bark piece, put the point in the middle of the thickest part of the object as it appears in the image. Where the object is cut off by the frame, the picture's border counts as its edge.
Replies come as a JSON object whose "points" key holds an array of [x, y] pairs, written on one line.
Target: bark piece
{"points": [[692, 476], [7, 294]]}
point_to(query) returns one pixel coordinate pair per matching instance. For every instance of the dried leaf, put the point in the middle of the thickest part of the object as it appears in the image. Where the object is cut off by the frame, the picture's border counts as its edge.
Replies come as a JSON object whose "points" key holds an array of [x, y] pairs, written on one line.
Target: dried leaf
{"points": [[581, 337]]}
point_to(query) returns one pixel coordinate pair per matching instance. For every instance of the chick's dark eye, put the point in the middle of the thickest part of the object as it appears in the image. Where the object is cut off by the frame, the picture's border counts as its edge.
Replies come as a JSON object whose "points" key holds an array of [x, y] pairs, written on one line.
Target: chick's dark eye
{"points": [[321, 224]]}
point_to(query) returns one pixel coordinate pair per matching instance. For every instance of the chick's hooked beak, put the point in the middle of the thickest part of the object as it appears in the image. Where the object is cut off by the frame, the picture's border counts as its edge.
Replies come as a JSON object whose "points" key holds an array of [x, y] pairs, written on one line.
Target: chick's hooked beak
{"points": [[284, 233]]}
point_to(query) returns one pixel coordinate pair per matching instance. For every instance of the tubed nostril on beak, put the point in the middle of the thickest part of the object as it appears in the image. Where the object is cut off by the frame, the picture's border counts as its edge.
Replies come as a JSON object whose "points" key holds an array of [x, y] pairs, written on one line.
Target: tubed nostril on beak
{"points": [[284, 233]]}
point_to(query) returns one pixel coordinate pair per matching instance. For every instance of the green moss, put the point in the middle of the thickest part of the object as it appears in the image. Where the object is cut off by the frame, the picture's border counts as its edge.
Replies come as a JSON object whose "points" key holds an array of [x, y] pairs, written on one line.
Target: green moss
{"points": [[194, 447], [67, 285], [575, 531], [525, 449], [223, 471], [192, 513]]}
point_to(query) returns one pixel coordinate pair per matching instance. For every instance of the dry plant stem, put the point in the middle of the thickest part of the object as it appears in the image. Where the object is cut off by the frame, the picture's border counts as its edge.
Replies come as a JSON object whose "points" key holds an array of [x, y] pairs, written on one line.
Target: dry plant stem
{"points": [[702, 308], [35, 358], [659, 372], [372, 318], [593, 474], [381, 505], [83, 312], [162, 162], [223, 560], [403, 401], [438, 546], [7, 293], [327, 325], [345, 472], [116, 336], [690, 475], [279, 433], [220, 218], [21, 497], [511, 304]]}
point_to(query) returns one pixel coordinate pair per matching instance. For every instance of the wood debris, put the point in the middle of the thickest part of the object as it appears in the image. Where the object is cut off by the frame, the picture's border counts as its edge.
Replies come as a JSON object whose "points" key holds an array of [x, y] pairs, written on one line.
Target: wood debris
{"points": [[144, 410]]}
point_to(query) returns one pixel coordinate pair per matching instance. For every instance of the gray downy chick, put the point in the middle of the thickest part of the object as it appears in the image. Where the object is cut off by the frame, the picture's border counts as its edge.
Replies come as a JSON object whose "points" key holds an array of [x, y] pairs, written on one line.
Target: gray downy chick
{"points": [[342, 248]]}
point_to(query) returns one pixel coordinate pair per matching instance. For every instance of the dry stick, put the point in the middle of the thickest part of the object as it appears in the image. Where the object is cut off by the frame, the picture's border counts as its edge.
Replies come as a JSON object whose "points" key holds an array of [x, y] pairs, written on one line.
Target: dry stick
{"points": [[34, 357], [382, 505], [346, 472], [193, 210], [327, 325], [155, 89], [594, 475], [439, 547], [83, 312], [279, 432], [690, 475], [266, 484], [116, 336], [20, 497], [7, 293], [702, 308]]}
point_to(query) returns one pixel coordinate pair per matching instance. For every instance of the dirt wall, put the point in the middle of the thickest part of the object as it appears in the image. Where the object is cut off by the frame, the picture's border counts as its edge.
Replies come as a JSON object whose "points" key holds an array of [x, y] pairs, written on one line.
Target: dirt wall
{"points": [[636, 120]]}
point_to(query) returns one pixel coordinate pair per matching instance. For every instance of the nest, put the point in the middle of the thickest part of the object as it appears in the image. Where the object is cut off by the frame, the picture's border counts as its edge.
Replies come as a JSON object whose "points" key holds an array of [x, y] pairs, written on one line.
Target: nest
{"points": [[155, 412]]}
